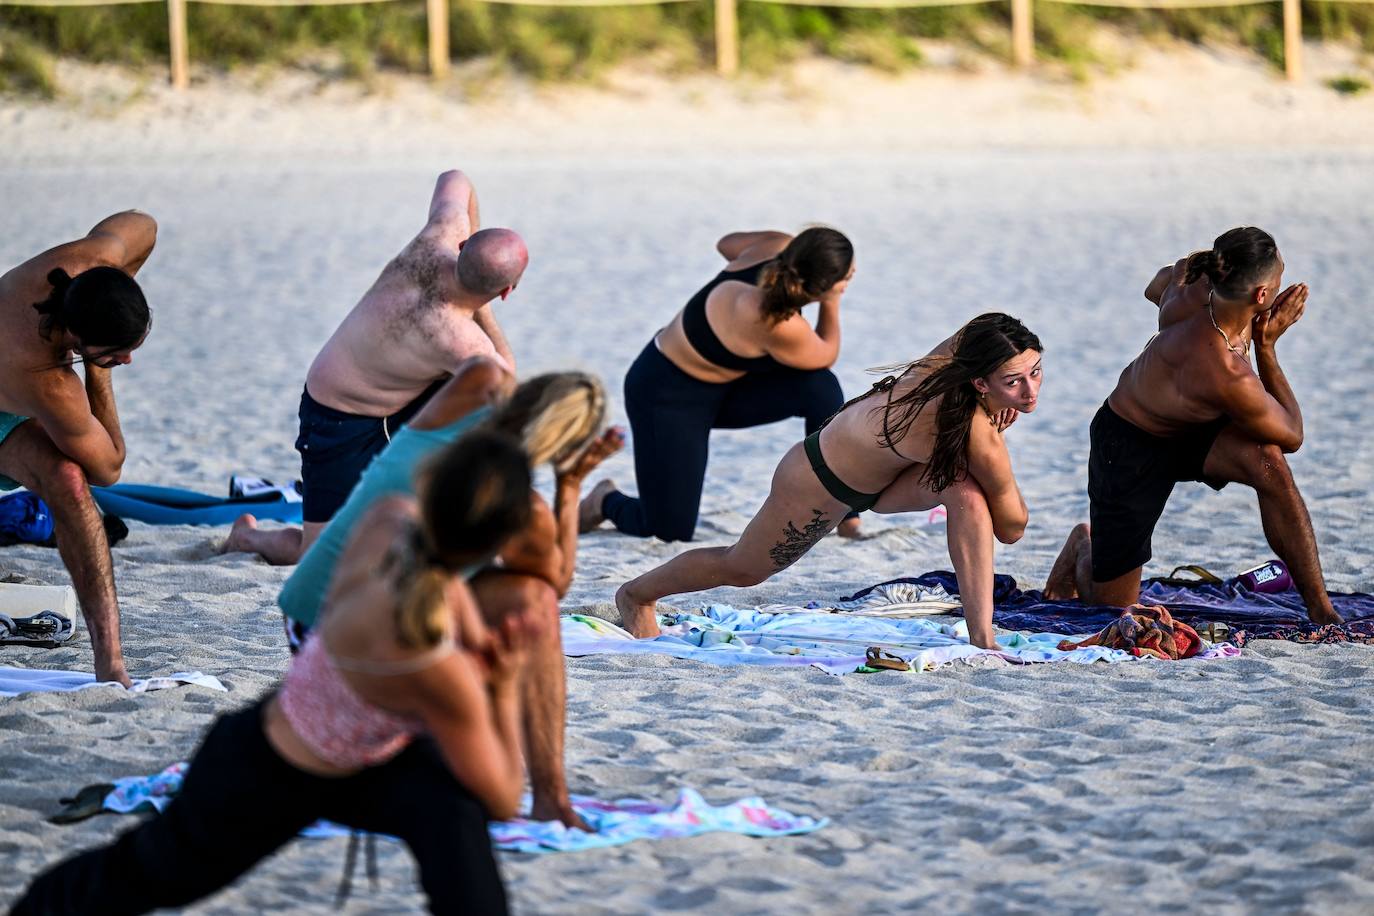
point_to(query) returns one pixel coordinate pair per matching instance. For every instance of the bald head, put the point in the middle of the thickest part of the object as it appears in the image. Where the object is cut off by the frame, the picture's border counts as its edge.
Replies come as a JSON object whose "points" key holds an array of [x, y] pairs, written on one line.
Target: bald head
{"points": [[491, 262]]}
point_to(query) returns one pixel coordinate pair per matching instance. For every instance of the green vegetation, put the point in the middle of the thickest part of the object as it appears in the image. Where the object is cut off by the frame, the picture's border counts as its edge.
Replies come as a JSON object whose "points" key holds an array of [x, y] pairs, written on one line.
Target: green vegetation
{"points": [[358, 41], [1348, 84], [25, 68]]}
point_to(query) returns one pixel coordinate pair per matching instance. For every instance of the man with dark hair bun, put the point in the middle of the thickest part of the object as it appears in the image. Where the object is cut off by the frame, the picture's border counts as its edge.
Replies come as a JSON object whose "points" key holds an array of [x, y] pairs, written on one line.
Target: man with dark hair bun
{"points": [[430, 310], [76, 303], [1192, 406]]}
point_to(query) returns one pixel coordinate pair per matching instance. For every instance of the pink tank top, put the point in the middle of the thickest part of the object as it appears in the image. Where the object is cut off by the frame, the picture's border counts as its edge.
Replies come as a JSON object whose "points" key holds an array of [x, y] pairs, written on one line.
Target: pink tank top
{"points": [[339, 726]]}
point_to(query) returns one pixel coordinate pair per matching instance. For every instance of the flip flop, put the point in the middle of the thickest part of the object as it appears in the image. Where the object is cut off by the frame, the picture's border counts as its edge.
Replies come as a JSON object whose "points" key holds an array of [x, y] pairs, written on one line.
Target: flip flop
{"points": [[1214, 631], [882, 660], [88, 802], [45, 630], [1201, 575]]}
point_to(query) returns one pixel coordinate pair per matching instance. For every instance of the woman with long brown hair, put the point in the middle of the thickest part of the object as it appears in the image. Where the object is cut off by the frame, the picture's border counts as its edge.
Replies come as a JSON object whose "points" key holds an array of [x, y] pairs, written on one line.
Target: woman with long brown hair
{"points": [[931, 435], [739, 354]]}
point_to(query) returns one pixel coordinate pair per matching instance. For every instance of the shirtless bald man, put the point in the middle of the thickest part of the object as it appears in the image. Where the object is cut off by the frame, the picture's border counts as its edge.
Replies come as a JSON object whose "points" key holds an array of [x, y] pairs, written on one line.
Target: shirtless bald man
{"points": [[1192, 407], [77, 302], [428, 311]]}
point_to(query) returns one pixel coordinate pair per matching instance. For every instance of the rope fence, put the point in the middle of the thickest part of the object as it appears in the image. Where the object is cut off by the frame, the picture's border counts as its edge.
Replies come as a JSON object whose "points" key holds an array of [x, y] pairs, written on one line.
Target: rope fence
{"points": [[726, 22]]}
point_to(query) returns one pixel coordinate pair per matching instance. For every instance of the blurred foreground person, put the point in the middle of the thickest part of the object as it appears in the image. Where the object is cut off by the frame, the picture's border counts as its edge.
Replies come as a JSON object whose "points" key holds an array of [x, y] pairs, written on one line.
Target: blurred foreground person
{"points": [[557, 417], [400, 651]]}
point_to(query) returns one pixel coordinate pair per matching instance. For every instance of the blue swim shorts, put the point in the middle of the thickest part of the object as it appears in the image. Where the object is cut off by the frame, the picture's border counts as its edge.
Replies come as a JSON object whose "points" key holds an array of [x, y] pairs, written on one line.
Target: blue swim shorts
{"points": [[8, 423]]}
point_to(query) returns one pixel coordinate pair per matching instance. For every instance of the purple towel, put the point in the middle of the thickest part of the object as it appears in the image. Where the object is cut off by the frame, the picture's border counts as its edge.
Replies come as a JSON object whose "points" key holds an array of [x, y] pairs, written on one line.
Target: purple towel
{"points": [[1250, 615]]}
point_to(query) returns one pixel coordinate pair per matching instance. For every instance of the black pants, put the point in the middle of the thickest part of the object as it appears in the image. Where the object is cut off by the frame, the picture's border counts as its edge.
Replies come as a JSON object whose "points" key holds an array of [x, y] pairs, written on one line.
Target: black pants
{"points": [[241, 802], [671, 418], [336, 448]]}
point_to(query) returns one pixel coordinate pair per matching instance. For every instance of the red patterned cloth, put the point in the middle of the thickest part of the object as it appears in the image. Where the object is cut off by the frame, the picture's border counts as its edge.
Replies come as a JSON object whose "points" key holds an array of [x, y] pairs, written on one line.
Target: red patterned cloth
{"points": [[1144, 629]]}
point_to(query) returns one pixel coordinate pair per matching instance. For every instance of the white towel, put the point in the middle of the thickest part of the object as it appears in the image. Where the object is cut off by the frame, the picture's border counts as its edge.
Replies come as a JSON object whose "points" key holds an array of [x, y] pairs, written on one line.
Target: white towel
{"points": [[14, 681]]}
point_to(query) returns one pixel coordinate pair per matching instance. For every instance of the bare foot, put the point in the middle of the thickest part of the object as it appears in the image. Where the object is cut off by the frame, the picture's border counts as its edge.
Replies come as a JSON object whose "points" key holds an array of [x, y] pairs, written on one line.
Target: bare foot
{"points": [[639, 619], [112, 669], [242, 525], [545, 809], [589, 511], [849, 528], [1324, 616], [1062, 585]]}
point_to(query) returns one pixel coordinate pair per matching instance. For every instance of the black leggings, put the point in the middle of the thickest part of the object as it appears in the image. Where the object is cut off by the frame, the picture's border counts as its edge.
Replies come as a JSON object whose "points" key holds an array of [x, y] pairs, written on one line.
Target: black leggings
{"points": [[241, 802], [671, 418]]}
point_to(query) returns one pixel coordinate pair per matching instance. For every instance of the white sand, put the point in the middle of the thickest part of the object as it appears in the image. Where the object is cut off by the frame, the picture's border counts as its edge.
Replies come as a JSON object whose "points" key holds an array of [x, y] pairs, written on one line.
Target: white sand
{"points": [[1227, 786]]}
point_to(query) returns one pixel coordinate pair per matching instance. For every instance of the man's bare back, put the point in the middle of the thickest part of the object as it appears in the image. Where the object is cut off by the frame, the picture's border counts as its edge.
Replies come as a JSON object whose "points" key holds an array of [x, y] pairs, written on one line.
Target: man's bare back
{"points": [[417, 322], [428, 312]]}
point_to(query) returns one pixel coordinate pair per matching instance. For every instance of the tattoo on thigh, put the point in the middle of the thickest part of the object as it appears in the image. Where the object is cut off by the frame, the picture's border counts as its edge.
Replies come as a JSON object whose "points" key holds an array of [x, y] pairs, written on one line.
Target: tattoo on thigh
{"points": [[797, 541]]}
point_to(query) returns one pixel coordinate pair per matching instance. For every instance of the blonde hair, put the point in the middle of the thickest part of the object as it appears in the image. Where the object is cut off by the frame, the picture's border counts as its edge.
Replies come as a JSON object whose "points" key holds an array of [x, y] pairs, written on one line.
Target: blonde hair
{"points": [[554, 416], [422, 613]]}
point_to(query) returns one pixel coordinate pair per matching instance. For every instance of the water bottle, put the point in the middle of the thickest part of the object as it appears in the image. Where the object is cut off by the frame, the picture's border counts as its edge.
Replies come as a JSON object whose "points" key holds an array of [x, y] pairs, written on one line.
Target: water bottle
{"points": [[1267, 577]]}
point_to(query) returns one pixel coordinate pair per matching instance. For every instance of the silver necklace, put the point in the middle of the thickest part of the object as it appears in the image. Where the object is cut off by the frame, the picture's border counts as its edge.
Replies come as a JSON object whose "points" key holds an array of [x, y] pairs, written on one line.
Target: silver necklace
{"points": [[1243, 353]]}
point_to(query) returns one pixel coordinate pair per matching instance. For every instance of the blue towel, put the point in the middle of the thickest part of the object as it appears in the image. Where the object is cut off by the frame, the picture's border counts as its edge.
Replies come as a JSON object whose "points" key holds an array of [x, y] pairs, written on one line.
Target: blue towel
{"points": [[1257, 615], [170, 506]]}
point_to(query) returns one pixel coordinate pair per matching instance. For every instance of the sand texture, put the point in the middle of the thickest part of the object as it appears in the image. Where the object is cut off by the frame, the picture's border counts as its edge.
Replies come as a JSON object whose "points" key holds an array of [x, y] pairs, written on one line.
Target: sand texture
{"points": [[1231, 786]]}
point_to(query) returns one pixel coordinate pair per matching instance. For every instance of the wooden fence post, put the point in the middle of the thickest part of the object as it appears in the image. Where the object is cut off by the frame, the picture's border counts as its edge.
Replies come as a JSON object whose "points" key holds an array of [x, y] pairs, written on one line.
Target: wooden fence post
{"points": [[176, 30], [1022, 33], [438, 38], [727, 38], [1292, 39]]}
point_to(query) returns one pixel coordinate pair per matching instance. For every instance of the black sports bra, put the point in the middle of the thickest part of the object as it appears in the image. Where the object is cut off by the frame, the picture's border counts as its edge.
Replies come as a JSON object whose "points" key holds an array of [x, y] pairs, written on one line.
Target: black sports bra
{"points": [[704, 340]]}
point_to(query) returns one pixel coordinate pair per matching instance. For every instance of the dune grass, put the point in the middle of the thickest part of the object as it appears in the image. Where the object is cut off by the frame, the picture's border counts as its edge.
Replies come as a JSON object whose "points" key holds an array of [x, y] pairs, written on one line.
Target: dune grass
{"points": [[357, 41]]}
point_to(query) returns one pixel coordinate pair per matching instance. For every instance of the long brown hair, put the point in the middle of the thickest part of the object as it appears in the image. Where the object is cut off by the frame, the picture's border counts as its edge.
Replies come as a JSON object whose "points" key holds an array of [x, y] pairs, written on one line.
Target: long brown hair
{"points": [[812, 262], [980, 347]]}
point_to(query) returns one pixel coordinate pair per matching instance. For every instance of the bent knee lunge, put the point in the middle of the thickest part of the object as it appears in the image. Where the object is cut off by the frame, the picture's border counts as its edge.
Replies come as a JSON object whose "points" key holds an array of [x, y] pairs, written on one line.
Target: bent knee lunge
{"points": [[1269, 469]]}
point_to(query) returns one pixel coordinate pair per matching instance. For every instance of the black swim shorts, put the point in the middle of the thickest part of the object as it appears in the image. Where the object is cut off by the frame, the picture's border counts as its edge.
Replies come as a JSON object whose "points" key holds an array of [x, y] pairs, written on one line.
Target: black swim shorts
{"points": [[336, 447], [1130, 476]]}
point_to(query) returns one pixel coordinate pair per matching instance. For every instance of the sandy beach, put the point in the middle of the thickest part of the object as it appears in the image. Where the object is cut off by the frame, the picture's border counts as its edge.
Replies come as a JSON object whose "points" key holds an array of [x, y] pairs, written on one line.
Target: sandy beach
{"points": [[1227, 786]]}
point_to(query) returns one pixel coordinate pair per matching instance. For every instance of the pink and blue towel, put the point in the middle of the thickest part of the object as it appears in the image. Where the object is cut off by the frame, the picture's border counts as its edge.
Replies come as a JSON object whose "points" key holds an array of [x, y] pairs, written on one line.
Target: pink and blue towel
{"points": [[613, 822]]}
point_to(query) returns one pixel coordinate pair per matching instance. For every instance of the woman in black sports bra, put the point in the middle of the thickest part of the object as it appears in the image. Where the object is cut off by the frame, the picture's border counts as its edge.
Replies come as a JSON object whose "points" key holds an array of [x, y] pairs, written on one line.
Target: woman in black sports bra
{"points": [[739, 354]]}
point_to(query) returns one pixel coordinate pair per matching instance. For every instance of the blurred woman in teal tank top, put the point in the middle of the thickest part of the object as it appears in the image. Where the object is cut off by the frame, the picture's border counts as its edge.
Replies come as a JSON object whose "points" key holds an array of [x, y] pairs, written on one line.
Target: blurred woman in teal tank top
{"points": [[556, 417], [391, 473]]}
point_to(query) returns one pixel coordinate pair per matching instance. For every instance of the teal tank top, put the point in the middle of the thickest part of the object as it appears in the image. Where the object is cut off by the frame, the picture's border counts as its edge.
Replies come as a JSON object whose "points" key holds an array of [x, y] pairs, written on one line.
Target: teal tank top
{"points": [[391, 473]]}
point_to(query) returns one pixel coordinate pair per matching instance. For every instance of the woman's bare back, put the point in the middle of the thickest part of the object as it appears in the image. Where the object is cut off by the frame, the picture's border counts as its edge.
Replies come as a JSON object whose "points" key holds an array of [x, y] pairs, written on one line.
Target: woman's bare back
{"points": [[853, 443]]}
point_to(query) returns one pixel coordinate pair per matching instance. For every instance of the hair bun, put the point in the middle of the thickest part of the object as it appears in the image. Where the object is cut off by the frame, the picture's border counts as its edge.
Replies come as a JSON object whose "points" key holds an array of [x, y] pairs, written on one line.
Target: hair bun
{"points": [[59, 279], [1221, 268], [1204, 263], [51, 307]]}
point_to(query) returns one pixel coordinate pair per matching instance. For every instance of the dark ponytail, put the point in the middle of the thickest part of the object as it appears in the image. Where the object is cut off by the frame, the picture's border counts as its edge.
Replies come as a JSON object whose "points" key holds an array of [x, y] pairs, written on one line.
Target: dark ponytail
{"points": [[474, 495], [814, 261], [979, 348], [1239, 259], [102, 307], [50, 309]]}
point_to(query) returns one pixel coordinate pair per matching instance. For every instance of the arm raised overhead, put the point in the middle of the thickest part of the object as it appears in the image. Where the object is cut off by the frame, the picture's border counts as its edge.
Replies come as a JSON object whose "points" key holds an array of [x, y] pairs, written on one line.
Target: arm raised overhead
{"points": [[453, 214], [736, 244]]}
